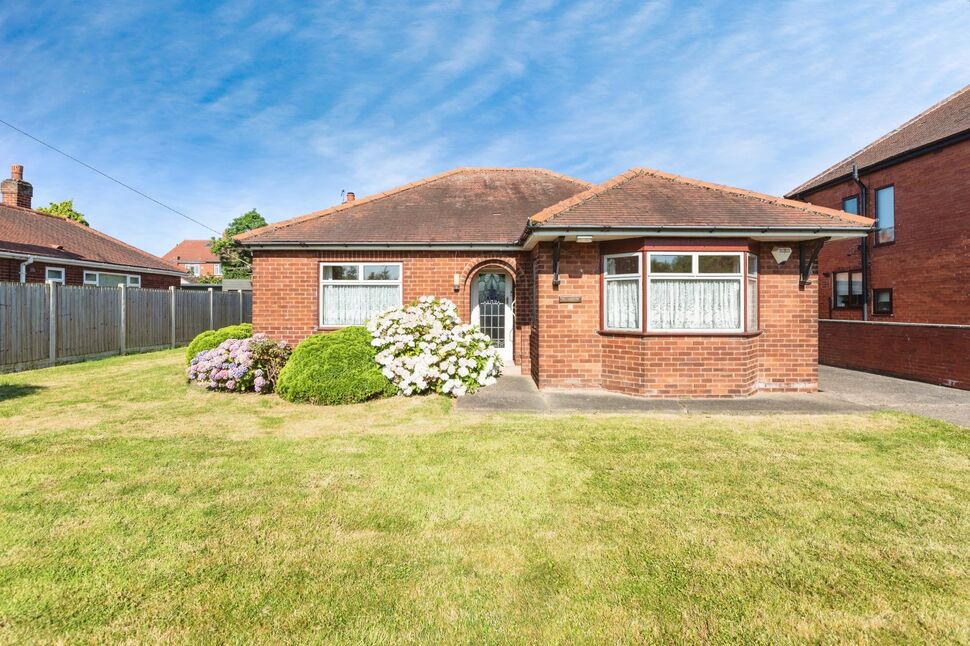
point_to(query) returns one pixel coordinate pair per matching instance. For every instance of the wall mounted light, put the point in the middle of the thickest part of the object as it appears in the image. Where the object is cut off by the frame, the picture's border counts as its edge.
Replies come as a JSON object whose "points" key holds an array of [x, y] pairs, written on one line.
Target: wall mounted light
{"points": [[781, 254], [584, 239], [457, 283]]}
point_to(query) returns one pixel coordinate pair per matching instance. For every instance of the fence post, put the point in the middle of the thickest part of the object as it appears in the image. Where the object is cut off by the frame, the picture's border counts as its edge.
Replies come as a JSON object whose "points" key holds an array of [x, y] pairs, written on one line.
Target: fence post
{"points": [[171, 291], [123, 336], [52, 324], [240, 305], [211, 320]]}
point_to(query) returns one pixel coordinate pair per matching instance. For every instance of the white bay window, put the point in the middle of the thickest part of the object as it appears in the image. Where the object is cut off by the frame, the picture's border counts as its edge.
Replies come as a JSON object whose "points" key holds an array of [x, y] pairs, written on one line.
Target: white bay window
{"points": [[352, 293], [622, 289], [690, 292]]}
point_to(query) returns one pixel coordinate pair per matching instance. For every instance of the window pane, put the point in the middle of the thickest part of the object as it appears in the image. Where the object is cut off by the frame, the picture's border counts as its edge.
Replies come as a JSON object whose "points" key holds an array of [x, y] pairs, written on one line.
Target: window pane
{"points": [[354, 304], [695, 304], [340, 272], [623, 304], [134, 281], [671, 264], [752, 264], [719, 264], [856, 287], [851, 205], [382, 272], [622, 265], [886, 214], [752, 304], [111, 280], [842, 289], [90, 277]]}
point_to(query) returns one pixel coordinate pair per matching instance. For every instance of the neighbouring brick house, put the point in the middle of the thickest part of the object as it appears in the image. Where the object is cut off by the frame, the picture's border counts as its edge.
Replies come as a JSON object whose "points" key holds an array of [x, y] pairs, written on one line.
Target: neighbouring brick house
{"points": [[195, 257], [649, 284], [36, 248], [898, 301]]}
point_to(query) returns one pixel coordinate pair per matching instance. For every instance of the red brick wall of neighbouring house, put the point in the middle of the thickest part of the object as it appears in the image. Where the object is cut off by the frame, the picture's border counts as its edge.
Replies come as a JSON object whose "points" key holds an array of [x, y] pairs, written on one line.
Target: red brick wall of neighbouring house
{"points": [[926, 267], [569, 351], [937, 355], [74, 275], [286, 286]]}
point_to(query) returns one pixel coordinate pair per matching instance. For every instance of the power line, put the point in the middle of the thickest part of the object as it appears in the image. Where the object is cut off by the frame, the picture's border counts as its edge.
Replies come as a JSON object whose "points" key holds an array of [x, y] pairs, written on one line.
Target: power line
{"points": [[105, 175]]}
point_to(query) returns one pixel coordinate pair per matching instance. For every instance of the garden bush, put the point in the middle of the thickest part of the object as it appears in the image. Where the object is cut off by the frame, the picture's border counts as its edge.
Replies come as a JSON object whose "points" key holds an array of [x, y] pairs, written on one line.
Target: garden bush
{"points": [[426, 348], [334, 368], [213, 338], [240, 365]]}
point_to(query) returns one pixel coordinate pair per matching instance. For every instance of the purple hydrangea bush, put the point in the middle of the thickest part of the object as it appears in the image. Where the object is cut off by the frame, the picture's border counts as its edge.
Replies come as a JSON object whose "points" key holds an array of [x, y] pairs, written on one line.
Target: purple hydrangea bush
{"points": [[240, 365]]}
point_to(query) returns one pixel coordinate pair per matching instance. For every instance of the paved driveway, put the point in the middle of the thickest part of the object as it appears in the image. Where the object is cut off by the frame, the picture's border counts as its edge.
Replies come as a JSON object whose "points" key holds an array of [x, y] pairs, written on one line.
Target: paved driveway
{"points": [[842, 391]]}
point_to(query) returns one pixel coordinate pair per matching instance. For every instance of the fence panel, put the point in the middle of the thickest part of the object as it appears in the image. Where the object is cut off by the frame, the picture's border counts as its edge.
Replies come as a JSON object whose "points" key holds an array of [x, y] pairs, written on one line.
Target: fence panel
{"points": [[148, 319], [24, 325], [88, 321]]}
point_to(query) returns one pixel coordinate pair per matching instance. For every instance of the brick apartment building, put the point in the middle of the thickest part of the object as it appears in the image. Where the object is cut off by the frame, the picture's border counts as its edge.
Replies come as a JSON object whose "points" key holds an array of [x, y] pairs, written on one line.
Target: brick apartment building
{"points": [[899, 302], [195, 257], [36, 248], [648, 284]]}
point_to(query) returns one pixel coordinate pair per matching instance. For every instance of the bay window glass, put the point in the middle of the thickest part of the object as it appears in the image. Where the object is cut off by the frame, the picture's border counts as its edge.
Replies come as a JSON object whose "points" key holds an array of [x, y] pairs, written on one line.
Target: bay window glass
{"points": [[752, 292], [352, 293], [622, 289], [695, 291]]}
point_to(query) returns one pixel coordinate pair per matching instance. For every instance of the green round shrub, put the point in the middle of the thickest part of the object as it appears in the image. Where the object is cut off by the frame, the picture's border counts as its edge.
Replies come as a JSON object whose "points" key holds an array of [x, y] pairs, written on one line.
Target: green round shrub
{"points": [[334, 368], [212, 338]]}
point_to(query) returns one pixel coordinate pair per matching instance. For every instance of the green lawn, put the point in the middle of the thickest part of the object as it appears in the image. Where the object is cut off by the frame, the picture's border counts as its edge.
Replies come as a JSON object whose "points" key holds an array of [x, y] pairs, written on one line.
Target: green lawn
{"points": [[135, 508]]}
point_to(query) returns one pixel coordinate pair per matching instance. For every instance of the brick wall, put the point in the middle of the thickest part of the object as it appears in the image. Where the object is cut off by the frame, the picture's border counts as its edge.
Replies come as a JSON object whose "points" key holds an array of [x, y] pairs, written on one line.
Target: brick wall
{"points": [[286, 289], [936, 355], [572, 352], [74, 275]]}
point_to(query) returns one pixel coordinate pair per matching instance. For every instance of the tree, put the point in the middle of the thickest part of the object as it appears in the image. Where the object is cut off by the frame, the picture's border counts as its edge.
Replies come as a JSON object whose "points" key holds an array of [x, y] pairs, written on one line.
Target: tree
{"points": [[236, 261], [64, 210]]}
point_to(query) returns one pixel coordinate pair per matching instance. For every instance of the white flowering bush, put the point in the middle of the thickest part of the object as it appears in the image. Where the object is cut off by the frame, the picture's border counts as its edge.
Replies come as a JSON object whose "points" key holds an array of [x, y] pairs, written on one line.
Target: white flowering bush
{"points": [[425, 348]]}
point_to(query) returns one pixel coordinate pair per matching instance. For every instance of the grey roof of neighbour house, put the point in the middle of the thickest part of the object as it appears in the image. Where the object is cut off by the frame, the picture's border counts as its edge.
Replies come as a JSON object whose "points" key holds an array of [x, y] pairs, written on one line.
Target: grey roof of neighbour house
{"points": [[948, 119]]}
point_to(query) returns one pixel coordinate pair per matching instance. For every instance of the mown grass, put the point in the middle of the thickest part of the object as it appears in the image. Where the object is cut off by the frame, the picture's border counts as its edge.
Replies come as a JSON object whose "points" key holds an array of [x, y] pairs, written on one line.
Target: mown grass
{"points": [[134, 508]]}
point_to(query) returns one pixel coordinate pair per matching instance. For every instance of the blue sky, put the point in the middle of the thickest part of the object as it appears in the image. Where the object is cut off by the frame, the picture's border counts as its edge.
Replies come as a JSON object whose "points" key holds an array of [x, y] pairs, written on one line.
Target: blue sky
{"points": [[218, 107]]}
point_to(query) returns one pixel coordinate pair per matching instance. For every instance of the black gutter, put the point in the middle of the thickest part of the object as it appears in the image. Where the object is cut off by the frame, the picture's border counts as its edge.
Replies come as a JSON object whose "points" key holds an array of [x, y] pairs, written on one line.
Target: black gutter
{"points": [[864, 245], [885, 163]]}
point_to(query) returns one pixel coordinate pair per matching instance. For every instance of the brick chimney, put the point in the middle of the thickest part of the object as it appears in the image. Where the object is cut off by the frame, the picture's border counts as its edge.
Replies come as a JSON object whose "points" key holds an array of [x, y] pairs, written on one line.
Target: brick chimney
{"points": [[16, 192], [350, 196]]}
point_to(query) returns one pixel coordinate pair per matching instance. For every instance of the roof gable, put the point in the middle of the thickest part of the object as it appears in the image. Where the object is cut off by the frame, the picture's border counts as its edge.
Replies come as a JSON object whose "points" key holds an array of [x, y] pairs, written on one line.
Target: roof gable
{"points": [[643, 197], [948, 118], [463, 206], [191, 251], [24, 231]]}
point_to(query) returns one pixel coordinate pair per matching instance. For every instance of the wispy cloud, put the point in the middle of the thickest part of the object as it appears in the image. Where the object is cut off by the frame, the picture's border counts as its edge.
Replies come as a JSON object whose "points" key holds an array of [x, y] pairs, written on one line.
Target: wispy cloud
{"points": [[220, 107]]}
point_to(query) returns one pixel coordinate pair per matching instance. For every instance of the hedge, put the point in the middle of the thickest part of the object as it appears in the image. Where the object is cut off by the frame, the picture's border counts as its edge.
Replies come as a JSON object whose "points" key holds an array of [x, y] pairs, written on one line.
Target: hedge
{"points": [[334, 368], [212, 338]]}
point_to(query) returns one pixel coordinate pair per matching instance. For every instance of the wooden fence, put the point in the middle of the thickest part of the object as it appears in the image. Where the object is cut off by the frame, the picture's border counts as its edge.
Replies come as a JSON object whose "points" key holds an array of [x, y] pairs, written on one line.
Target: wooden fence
{"points": [[43, 325]]}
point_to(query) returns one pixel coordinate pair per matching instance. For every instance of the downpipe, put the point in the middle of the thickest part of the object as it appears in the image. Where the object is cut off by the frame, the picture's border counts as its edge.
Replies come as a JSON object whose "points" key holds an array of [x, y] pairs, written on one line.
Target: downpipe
{"points": [[23, 269]]}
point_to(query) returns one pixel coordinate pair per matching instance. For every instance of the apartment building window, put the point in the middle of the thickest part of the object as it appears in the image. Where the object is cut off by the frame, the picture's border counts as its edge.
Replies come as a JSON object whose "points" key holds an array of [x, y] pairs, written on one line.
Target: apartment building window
{"points": [[847, 289], [851, 204], [882, 301], [885, 215]]}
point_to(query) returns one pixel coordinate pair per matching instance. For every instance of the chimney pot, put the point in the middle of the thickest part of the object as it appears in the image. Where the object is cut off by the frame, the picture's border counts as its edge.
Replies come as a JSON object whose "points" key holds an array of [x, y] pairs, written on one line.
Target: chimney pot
{"points": [[350, 196], [15, 191]]}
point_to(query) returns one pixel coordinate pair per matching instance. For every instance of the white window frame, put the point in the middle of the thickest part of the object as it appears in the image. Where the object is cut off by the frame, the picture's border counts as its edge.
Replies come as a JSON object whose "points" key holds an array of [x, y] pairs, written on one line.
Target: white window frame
{"points": [[217, 269], [616, 277], [131, 280], [193, 268], [47, 275], [360, 281], [740, 277]]}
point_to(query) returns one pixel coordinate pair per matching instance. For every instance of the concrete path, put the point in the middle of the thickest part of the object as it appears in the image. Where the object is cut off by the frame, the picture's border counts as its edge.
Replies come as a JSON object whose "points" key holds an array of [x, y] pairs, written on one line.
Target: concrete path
{"points": [[842, 391]]}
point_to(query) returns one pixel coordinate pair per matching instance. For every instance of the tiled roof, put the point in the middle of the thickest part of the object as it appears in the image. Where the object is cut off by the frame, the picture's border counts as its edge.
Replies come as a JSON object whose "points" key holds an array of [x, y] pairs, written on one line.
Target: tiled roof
{"points": [[465, 206], [24, 231], [643, 197], [191, 251], [948, 118]]}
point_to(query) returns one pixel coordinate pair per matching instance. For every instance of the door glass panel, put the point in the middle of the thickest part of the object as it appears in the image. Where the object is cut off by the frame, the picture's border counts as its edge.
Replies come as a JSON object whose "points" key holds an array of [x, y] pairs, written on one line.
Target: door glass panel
{"points": [[491, 307]]}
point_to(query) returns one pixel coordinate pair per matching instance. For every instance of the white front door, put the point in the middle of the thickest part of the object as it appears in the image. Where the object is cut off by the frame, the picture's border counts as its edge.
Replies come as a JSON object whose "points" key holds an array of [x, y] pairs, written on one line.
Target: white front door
{"points": [[492, 310]]}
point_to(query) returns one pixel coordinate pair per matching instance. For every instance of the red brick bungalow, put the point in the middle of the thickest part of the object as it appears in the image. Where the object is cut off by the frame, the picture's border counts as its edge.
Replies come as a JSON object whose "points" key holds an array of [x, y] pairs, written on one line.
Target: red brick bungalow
{"points": [[898, 301], [649, 284], [37, 248]]}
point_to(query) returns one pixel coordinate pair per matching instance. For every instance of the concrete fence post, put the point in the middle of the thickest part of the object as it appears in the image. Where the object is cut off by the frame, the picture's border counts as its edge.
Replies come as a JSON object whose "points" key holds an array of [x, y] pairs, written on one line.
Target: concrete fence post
{"points": [[211, 319], [52, 324], [171, 291], [123, 334], [241, 308]]}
